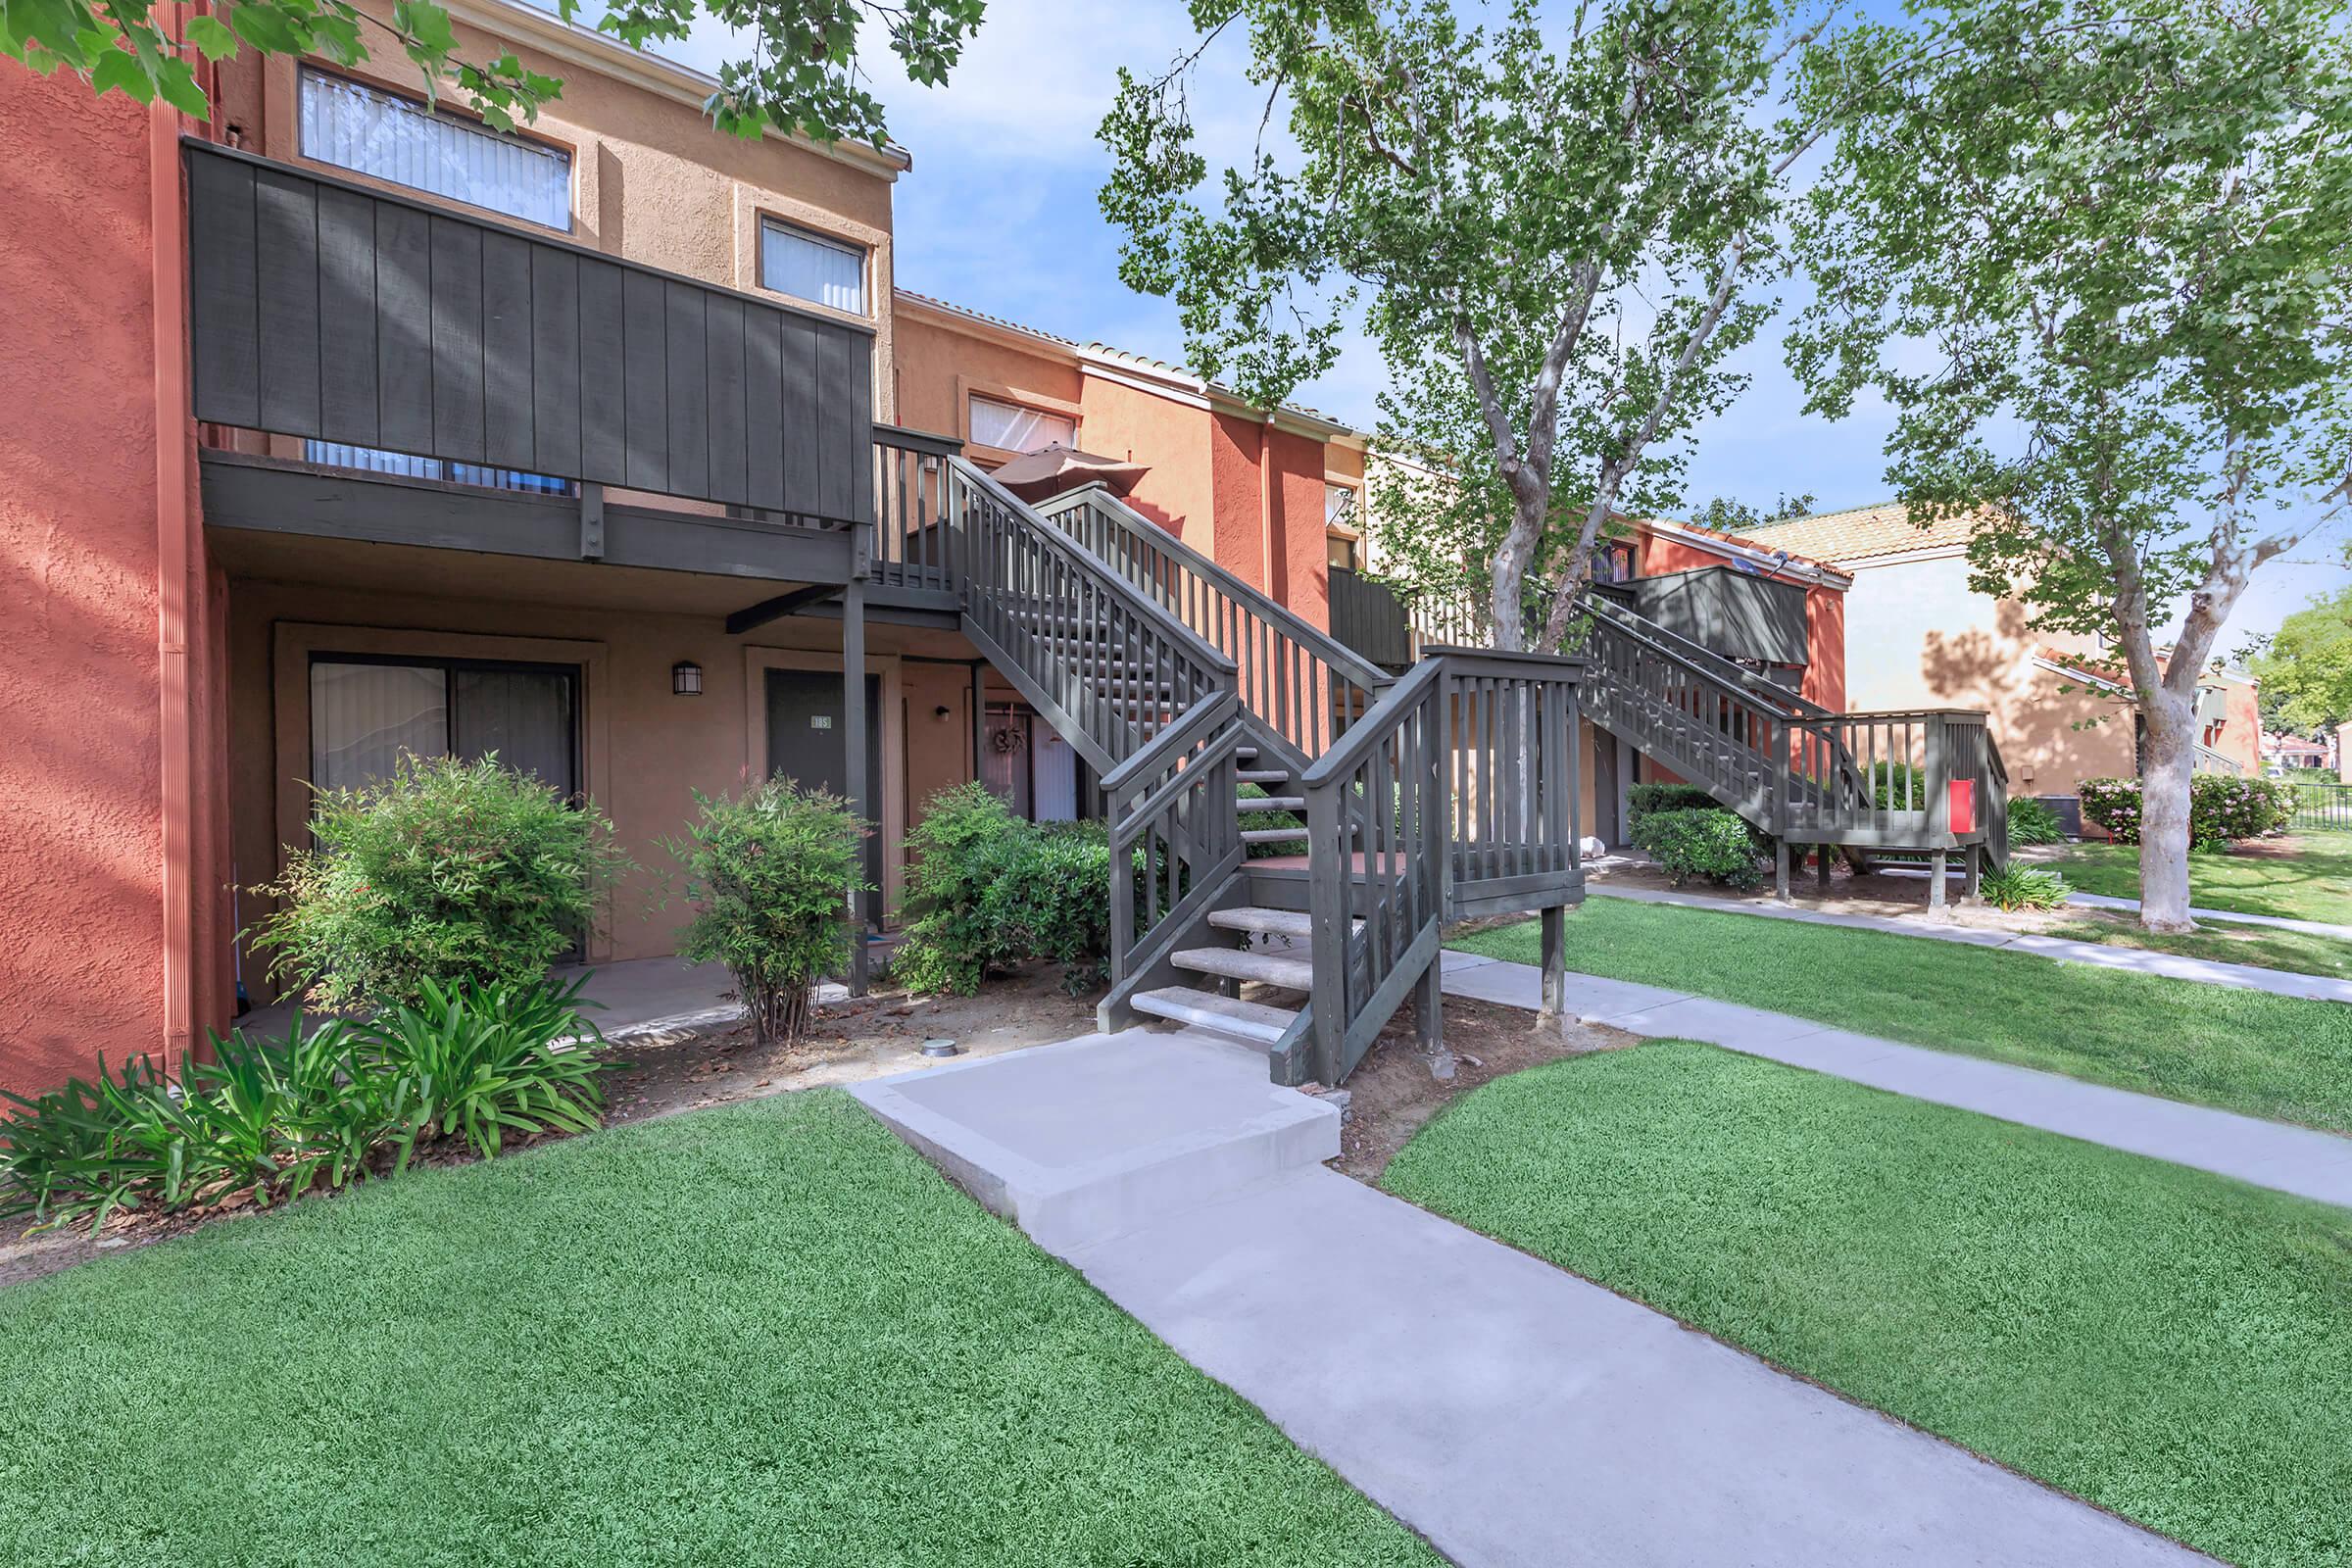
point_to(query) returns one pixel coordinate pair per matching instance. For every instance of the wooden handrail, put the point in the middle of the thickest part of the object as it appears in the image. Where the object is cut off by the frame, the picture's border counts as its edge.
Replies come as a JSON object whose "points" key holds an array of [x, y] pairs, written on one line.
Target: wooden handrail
{"points": [[1300, 683]]}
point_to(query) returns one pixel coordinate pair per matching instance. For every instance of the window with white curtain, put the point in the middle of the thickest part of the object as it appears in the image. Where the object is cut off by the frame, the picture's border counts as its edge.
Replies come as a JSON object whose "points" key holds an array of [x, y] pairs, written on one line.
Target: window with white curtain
{"points": [[365, 713], [822, 271], [355, 126], [1011, 427]]}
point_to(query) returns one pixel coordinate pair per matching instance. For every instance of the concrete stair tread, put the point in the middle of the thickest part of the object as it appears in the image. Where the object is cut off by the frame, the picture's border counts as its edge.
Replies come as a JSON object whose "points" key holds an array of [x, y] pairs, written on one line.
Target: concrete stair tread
{"points": [[1236, 963], [1268, 922], [1252, 1020]]}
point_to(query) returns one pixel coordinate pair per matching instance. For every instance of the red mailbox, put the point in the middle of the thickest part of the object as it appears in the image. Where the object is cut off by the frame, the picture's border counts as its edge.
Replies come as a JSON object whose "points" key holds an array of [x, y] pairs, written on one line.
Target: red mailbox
{"points": [[1963, 801]]}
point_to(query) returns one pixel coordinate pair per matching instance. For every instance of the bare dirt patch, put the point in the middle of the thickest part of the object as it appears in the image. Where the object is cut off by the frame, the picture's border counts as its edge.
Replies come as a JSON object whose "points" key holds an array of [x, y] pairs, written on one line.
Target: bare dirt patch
{"points": [[849, 1041], [1392, 1093]]}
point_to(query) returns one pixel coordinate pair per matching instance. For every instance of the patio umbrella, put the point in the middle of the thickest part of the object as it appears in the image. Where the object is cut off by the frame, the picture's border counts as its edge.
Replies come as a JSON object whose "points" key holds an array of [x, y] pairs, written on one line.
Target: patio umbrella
{"points": [[1051, 469]]}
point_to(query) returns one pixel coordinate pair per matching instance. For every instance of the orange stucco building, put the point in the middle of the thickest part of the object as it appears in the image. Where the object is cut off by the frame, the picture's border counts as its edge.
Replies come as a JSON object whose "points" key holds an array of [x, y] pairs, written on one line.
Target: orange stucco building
{"points": [[216, 612]]}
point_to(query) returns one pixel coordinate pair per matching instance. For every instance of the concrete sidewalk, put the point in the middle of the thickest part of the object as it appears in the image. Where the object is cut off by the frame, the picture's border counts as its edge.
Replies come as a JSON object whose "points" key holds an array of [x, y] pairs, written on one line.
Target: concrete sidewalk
{"points": [[2098, 955], [2291, 1160], [1516, 1415], [1511, 1412]]}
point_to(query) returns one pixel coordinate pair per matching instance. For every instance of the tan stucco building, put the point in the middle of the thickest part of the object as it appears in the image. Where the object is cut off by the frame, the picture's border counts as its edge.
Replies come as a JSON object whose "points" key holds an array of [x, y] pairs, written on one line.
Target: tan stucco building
{"points": [[1917, 635]]}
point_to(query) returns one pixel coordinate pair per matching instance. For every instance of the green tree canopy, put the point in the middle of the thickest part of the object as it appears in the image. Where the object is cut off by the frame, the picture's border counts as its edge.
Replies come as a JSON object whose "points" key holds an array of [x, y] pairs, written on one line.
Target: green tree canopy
{"points": [[2306, 672], [2098, 255], [1555, 225], [800, 73]]}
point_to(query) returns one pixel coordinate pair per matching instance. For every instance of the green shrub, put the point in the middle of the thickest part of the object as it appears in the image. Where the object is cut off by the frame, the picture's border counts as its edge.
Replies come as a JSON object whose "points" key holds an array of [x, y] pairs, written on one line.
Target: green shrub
{"points": [[963, 843], [1899, 786], [450, 871], [988, 891], [267, 1120], [2031, 821], [768, 878], [1643, 800], [1709, 844], [2022, 887], [476, 1064], [2221, 807]]}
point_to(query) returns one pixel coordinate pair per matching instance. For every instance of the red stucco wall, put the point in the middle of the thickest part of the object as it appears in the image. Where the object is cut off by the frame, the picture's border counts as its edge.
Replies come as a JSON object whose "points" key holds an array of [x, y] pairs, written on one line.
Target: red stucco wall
{"points": [[79, 851]]}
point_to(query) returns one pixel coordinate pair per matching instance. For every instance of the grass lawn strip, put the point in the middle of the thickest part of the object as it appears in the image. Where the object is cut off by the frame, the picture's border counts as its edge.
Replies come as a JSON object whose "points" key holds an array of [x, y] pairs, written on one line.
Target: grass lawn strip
{"points": [[2162, 1342], [767, 1333], [2303, 878], [2263, 947], [2280, 1058]]}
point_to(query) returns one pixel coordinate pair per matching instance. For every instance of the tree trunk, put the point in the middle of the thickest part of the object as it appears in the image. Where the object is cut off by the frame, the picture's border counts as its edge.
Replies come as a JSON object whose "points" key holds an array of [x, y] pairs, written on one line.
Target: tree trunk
{"points": [[2166, 765]]}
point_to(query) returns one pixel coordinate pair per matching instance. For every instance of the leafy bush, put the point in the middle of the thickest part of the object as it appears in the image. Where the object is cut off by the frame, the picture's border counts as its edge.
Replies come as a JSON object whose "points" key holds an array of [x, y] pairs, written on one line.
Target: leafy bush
{"points": [[1709, 844], [476, 1064], [1899, 786], [2221, 807], [1643, 800], [960, 846], [2022, 887], [768, 877], [267, 1120], [989, 890], [2032, 821], [450, 871]]}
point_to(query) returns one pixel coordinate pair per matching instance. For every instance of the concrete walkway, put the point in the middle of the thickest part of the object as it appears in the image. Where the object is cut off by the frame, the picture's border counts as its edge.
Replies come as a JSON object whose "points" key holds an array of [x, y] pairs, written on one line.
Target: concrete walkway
{"points": [[1509, 1411], [2099, 955], [2291, 1160], [2281, 922]]}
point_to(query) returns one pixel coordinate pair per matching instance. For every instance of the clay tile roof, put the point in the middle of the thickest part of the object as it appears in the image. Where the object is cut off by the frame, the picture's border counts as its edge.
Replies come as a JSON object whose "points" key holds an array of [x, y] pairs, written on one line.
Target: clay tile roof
{"points": [[1861, 532], [1770, 543]]}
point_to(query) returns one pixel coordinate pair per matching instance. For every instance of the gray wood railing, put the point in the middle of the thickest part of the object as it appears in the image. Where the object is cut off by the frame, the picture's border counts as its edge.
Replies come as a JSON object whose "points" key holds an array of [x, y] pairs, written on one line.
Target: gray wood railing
{"points": [[915, 541], [1175, 840], [1302, 684], [343, 314], [1456, 794], [1088, 648]]}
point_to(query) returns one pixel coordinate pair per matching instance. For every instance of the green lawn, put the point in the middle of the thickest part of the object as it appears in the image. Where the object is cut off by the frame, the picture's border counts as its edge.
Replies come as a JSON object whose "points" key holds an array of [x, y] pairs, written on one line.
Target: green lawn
{"points": [[2265, 947], [763, 1333], [2172, 1345], [2274, 1056], [2306, 878]]}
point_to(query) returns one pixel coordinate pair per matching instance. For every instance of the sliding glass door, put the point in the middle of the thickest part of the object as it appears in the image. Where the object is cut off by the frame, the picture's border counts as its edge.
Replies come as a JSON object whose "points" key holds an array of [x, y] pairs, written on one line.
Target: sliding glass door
{"points": [[365, 711]]}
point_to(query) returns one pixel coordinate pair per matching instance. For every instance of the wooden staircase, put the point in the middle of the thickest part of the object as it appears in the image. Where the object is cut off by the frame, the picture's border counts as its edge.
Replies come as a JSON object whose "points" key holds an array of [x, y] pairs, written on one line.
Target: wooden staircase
{"points": [[1930, 781], [1282, 812]]}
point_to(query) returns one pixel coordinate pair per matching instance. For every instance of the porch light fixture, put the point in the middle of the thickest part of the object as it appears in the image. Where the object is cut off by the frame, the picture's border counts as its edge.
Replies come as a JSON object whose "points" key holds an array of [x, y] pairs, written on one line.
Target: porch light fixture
{"points": [[686, 679]]}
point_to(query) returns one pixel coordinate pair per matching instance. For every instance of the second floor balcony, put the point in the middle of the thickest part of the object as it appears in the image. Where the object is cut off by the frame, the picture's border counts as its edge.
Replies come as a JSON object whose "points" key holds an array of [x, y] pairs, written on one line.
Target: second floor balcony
{"points": [[376, 367]]}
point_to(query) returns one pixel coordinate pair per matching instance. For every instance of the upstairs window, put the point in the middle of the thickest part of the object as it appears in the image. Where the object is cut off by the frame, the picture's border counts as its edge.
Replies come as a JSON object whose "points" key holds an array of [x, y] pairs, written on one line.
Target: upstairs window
{"points": [[822, 271], [1342, 544], [355, 126], [1009, 427]]}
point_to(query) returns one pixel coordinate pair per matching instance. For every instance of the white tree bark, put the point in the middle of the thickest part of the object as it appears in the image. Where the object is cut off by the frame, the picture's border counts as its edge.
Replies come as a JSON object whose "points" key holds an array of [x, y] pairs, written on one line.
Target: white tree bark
{"points": [[2167, 762]]}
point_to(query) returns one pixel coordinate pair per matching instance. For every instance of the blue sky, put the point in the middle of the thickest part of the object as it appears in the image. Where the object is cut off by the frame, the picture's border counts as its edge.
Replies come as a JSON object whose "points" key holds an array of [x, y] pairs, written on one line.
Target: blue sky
{"points": [[998, 214]]}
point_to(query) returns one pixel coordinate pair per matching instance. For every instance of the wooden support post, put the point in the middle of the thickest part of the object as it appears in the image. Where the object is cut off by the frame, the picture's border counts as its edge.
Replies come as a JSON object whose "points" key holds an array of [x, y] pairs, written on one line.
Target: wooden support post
{"points": [[1821, 867], [1428, 1011], [1555, 967], [979, 714], [1938, 864], [1975, 874], [853, 708], [1780, 870]]}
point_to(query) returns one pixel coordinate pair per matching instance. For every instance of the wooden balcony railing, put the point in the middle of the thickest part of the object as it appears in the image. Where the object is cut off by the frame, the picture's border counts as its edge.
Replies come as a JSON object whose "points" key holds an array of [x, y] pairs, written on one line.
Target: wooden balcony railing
{"points": [[342, 314]]}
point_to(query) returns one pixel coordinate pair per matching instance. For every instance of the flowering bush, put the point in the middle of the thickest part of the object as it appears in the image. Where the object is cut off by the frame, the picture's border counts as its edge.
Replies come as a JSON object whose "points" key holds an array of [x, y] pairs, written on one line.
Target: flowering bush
{"points": [[2221, 807]]}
